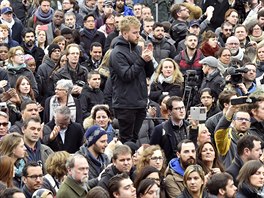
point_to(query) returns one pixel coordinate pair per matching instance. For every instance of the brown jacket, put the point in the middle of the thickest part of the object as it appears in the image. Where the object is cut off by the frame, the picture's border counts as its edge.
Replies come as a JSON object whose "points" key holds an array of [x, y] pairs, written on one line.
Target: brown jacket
{"points": [[173, 183]]}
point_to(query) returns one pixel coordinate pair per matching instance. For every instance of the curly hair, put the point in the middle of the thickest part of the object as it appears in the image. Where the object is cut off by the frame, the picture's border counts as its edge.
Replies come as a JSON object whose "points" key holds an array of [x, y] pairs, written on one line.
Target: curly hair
{"points": [[146, 155]]}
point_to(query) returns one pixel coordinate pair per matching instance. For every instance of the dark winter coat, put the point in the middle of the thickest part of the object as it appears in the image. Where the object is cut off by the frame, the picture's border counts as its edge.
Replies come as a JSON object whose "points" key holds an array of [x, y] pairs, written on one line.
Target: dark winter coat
{"points": [[128, 75]]}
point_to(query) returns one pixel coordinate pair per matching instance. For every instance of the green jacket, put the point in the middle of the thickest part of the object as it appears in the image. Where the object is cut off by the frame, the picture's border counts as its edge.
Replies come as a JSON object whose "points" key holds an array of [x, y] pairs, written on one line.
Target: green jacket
{"points": [[71, 189]]}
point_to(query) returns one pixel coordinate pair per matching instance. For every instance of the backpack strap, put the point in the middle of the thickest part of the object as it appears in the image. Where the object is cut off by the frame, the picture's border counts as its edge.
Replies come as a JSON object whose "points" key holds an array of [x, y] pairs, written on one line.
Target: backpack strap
{"points": [[52, 182]]}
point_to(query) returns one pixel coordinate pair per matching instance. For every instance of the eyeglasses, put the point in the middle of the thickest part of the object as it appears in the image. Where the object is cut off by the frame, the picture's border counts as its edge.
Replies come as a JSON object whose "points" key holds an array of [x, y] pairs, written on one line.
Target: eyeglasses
{"points": [[239, 119], [35, 177], [157, 158], [184, 9], [179, 108], [58, 89], [4, 124], [228, 30]]}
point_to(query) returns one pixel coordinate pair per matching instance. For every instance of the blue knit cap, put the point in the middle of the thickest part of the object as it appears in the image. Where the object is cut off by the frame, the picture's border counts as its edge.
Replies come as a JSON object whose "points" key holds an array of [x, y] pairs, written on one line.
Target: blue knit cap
{"points": [[93, 134]]}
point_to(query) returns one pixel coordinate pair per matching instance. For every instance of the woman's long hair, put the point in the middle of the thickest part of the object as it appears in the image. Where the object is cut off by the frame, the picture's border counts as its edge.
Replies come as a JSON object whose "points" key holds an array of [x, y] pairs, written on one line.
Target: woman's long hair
{"points": [[177, 75], [18, 83]]}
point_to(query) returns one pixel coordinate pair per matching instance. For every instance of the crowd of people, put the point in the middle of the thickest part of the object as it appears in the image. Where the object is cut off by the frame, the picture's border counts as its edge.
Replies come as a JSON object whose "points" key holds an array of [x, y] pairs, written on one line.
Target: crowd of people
{"points": [[97, 99]]}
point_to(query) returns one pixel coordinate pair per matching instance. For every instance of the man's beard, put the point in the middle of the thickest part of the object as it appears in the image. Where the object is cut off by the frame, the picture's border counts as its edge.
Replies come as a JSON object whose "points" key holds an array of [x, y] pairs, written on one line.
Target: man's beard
{"points": [[29, 43], [188, 162], [191, 48]]}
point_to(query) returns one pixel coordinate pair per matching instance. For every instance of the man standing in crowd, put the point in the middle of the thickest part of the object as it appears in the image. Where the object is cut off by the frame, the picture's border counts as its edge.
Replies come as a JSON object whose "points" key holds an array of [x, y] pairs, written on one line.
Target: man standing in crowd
{"points": [[162, 47], [35, 150], [233, 44], [186, 155], [91, 93], [226, 32], [42, 15], [170, 133], [46, 68], [4, 122], [55, 26], [32, 177], [213, 78], [221, 185], [95, 58], [122, 163], [128, 74], [121, 186], [93, 150], [75, 184], [226, 138], [64, 135], [73, 70], [12, 22], [30, 47], [248, 148]]}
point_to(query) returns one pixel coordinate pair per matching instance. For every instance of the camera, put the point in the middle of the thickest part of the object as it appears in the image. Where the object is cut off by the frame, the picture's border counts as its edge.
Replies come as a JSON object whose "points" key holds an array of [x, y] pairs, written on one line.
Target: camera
{"points": [[191, 78], [80, 83], [243, 100], [3, 106], [236, 74], [198, 113]]}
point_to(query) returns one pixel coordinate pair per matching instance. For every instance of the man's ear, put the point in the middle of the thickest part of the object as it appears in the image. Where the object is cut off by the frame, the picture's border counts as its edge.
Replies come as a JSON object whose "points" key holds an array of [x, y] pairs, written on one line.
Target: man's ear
{"points": [[24, 179], [178, 154], [116, 194], [221, 191], [254, 112]]}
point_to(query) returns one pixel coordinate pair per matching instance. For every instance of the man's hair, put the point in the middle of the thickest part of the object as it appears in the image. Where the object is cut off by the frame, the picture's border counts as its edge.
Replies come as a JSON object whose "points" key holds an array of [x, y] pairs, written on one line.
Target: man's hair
{"points": [[225, 97], [260, 13], [27, 30], [26, 103], [71, 45], [218, 181], [95, 44], [29, 164], [170, 100], [157, 24], [34, 119], [185, 141], [91, 73], [175, 8], [67, 14], [40, 1], [190, 34], [226, 23], [121, 150], [238, 26], [88, 15], [63, 110], [247, 141], [127, 22], [9, 192], [114, 183], [66, 30], [148, 19], [71, 160]]}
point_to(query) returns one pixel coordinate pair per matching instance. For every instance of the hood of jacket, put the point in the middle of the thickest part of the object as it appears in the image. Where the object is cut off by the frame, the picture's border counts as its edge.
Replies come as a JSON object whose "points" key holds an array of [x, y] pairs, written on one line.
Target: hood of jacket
{"points": [[175, 165], [121, 41]]}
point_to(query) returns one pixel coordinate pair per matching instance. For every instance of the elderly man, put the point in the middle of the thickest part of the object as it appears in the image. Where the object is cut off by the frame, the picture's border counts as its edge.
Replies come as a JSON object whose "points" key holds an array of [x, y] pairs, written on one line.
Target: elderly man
{"points": [[233, 44], [75, 184]]}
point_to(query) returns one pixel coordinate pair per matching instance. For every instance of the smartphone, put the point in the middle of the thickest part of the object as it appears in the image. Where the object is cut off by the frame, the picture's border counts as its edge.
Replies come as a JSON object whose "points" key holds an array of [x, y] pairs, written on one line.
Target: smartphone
{"points": [[198, 113]]}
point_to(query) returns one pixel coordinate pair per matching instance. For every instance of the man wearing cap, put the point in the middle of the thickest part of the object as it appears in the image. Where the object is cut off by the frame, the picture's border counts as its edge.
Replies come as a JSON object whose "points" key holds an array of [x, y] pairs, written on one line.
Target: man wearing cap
{"points": [[93, 149], [46, 68], [13, 23], [213, 78]]}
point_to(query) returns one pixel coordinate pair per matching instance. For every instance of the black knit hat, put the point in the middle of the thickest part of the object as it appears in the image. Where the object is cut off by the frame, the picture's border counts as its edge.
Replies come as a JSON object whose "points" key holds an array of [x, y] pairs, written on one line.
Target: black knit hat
{"points": [[53, 47]]}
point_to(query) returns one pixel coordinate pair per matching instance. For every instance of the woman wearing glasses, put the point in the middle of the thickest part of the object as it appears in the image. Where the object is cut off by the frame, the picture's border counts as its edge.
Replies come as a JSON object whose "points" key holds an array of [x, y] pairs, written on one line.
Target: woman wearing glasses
{"points": [[17, 67], [224, 59], [153, 156], [12, 145]]}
